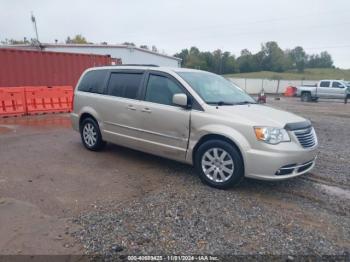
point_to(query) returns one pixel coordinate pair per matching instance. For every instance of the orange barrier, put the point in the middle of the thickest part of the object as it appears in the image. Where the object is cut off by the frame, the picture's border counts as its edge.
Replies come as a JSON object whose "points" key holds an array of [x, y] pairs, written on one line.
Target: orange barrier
{"points": [[66, 97], [16, 101], [290, 91], [12, 101], [56, 99]]}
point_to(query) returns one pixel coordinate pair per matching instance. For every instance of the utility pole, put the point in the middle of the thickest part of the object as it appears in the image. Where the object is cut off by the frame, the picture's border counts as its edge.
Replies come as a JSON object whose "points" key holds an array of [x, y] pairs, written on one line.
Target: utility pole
{"points": [[35, 28]]}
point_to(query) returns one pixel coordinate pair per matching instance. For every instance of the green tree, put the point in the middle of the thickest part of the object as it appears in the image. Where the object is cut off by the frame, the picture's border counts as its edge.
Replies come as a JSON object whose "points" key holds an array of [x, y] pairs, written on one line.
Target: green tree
{"points": [[299, 58], [217, 61], [183, 55], [195, 60], [144, 47], [247, 62], [229, 64], [270, 58], [154, 49], [324, 60], [17, 42], [129, 43], [273, 58], [77, 39], [209, 61]]}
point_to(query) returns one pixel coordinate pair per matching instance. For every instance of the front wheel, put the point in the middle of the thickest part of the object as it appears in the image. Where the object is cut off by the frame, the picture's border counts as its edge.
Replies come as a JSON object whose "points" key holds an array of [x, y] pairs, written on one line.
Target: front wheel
{"points": [[91, 135], [219, 164]]}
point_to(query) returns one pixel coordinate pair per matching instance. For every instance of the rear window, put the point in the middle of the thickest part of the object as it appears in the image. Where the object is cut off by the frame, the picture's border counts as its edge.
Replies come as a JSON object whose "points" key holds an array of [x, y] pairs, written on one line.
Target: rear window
{"points": [[93, 81], [125, 85]]}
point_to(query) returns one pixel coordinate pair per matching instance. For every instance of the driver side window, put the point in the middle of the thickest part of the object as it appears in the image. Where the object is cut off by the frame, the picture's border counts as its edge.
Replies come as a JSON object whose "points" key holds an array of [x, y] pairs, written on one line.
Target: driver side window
{"points": [[161, 90], [337, 85]]}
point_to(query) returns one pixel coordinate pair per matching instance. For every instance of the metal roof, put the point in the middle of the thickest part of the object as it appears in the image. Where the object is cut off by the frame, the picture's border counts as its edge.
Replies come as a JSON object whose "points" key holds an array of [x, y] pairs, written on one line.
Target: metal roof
{"points": [[44, 45]]}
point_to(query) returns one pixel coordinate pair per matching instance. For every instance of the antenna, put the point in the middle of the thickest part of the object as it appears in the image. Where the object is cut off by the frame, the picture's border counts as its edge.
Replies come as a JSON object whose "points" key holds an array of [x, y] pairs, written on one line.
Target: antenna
{"points": [[35, 28]]}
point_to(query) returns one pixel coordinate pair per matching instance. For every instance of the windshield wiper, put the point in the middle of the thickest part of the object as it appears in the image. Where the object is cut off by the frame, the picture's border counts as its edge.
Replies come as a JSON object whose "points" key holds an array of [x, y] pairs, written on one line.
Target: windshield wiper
{"points": [[244, 103], [220, 103]]}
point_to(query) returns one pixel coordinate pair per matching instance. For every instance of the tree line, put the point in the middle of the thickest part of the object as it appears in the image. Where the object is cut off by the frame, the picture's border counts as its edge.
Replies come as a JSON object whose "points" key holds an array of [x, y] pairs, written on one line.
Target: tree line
{"points": [[270, 58]]}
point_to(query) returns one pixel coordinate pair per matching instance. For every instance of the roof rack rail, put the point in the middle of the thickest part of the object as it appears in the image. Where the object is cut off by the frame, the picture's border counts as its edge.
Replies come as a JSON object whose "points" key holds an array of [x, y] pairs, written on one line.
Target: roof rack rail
{"points": [[150, 65]]}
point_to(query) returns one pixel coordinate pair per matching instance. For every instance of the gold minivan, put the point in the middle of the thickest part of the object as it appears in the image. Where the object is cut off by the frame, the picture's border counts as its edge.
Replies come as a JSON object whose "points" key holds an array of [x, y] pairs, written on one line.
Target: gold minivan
{"points": [[194, 117]]}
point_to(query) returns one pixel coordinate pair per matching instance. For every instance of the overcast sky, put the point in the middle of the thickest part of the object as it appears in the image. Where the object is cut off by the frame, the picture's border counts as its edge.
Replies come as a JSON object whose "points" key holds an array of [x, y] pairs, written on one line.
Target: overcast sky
{"points": [[316, 25]]}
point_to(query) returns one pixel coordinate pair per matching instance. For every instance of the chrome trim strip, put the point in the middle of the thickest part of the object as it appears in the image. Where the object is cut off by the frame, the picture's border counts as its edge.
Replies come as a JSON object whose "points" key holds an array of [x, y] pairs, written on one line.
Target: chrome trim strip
{"points": [[298, 166], [147, 141], [145, 131]]}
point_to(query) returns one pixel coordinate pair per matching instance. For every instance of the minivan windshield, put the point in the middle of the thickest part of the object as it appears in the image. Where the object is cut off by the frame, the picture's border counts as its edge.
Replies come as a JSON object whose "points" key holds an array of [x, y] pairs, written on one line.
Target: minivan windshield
{"points": [[216, 90]]}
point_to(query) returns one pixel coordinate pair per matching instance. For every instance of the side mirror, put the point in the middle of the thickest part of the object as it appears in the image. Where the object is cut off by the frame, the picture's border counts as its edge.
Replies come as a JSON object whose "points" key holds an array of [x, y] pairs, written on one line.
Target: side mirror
{"points": [[180, 100]]}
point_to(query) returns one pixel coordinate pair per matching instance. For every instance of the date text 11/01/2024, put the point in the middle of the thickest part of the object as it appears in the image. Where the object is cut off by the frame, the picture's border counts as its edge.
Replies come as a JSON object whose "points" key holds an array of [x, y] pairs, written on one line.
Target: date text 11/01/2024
{"points": [[172, 258]]}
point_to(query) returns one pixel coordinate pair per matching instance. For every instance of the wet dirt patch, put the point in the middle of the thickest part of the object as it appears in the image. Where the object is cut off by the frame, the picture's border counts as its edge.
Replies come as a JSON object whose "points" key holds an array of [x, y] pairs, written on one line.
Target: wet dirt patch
{"points": [[4, 129], [26, 230], [336, 191], [47, 120]]}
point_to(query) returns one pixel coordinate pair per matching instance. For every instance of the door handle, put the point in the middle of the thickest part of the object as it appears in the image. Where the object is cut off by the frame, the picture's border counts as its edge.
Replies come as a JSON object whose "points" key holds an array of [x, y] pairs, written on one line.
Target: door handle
{"points": [[131, 107], [146, 110]]}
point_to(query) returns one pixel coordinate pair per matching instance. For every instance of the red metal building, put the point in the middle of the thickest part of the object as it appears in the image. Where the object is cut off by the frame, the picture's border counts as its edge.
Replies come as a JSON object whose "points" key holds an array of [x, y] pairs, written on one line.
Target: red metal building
{"points": [[42, 68]]}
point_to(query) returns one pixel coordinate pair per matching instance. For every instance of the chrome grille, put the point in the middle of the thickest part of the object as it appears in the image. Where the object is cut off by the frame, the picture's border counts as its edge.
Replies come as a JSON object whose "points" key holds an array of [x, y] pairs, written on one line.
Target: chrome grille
{"points": [[306, 137]]}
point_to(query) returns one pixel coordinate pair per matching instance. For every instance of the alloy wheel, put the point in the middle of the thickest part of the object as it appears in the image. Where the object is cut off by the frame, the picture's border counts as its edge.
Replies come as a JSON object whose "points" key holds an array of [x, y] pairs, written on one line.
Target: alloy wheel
{"points": [[217, 165], [89, 134]]}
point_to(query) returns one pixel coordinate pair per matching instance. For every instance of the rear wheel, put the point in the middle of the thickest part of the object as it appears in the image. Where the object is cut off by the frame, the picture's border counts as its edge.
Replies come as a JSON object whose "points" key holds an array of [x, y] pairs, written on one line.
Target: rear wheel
{"points": [[306, 97], [91, 135], [219, 164]]}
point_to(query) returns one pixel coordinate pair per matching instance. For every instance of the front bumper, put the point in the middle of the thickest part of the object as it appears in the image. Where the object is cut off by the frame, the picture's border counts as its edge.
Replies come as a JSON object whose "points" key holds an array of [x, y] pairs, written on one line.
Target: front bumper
{"points": [[265, 165]]}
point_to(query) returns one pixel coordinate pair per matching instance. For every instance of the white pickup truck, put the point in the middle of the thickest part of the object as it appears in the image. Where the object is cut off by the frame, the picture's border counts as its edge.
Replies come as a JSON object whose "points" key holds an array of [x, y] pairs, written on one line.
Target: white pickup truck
{"points": [[323, 89]]}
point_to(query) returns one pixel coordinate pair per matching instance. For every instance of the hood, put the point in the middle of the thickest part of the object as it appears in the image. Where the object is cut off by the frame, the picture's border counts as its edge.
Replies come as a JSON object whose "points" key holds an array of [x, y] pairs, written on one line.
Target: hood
{"points": [[259, 115]]}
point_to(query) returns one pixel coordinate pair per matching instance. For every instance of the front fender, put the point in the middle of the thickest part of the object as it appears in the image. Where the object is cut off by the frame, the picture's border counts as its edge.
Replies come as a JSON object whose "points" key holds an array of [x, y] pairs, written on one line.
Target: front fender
{"points": [[216, 129]]}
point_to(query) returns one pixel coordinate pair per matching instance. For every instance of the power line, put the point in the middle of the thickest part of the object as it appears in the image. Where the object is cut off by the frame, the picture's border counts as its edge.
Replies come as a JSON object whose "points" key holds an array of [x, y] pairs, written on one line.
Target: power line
{"points": [[246, 23], [327, 47]]}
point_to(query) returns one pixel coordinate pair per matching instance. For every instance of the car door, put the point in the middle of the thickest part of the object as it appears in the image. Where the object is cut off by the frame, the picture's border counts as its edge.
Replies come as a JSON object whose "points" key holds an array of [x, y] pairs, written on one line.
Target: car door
{"points": [[165, 125], [338, 89], [121, 107], [324, 89]]}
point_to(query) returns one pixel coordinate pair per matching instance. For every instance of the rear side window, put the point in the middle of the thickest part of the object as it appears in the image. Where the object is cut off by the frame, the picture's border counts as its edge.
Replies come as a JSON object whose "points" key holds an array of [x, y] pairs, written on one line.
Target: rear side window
{"points": [[93, 81], [325, 84], [125, 85]]}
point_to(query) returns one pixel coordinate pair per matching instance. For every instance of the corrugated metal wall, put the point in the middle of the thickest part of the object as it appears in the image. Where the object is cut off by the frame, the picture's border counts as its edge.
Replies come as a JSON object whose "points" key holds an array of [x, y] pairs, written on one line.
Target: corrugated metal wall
{"points": [[254, 85], [41, 68]]}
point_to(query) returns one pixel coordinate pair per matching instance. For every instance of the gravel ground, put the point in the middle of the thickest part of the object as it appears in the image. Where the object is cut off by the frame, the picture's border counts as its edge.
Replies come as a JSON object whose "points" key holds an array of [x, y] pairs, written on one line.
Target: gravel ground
{"points": [[199, 220], [331, 120], [309, 215]]}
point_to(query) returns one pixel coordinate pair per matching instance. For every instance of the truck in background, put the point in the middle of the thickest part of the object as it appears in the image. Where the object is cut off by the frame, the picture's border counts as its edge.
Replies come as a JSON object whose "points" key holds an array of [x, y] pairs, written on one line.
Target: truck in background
{"points": [[323, 89]]}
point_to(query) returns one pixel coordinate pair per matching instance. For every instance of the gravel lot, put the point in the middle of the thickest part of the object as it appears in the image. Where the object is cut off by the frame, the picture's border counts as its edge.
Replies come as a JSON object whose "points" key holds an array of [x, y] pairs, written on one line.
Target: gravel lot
{"points": [[58, 198], [305, 216]]}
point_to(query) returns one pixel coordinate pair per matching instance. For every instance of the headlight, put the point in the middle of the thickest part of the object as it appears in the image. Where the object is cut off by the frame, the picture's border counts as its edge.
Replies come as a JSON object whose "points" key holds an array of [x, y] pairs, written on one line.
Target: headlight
{"points": [[271, 135]]}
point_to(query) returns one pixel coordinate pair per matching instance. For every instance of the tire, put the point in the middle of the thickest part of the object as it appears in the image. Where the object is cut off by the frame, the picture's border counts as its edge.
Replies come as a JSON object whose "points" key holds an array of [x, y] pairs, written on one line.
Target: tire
{"points": [[306, 97], [91, 135], [213, 171]]}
